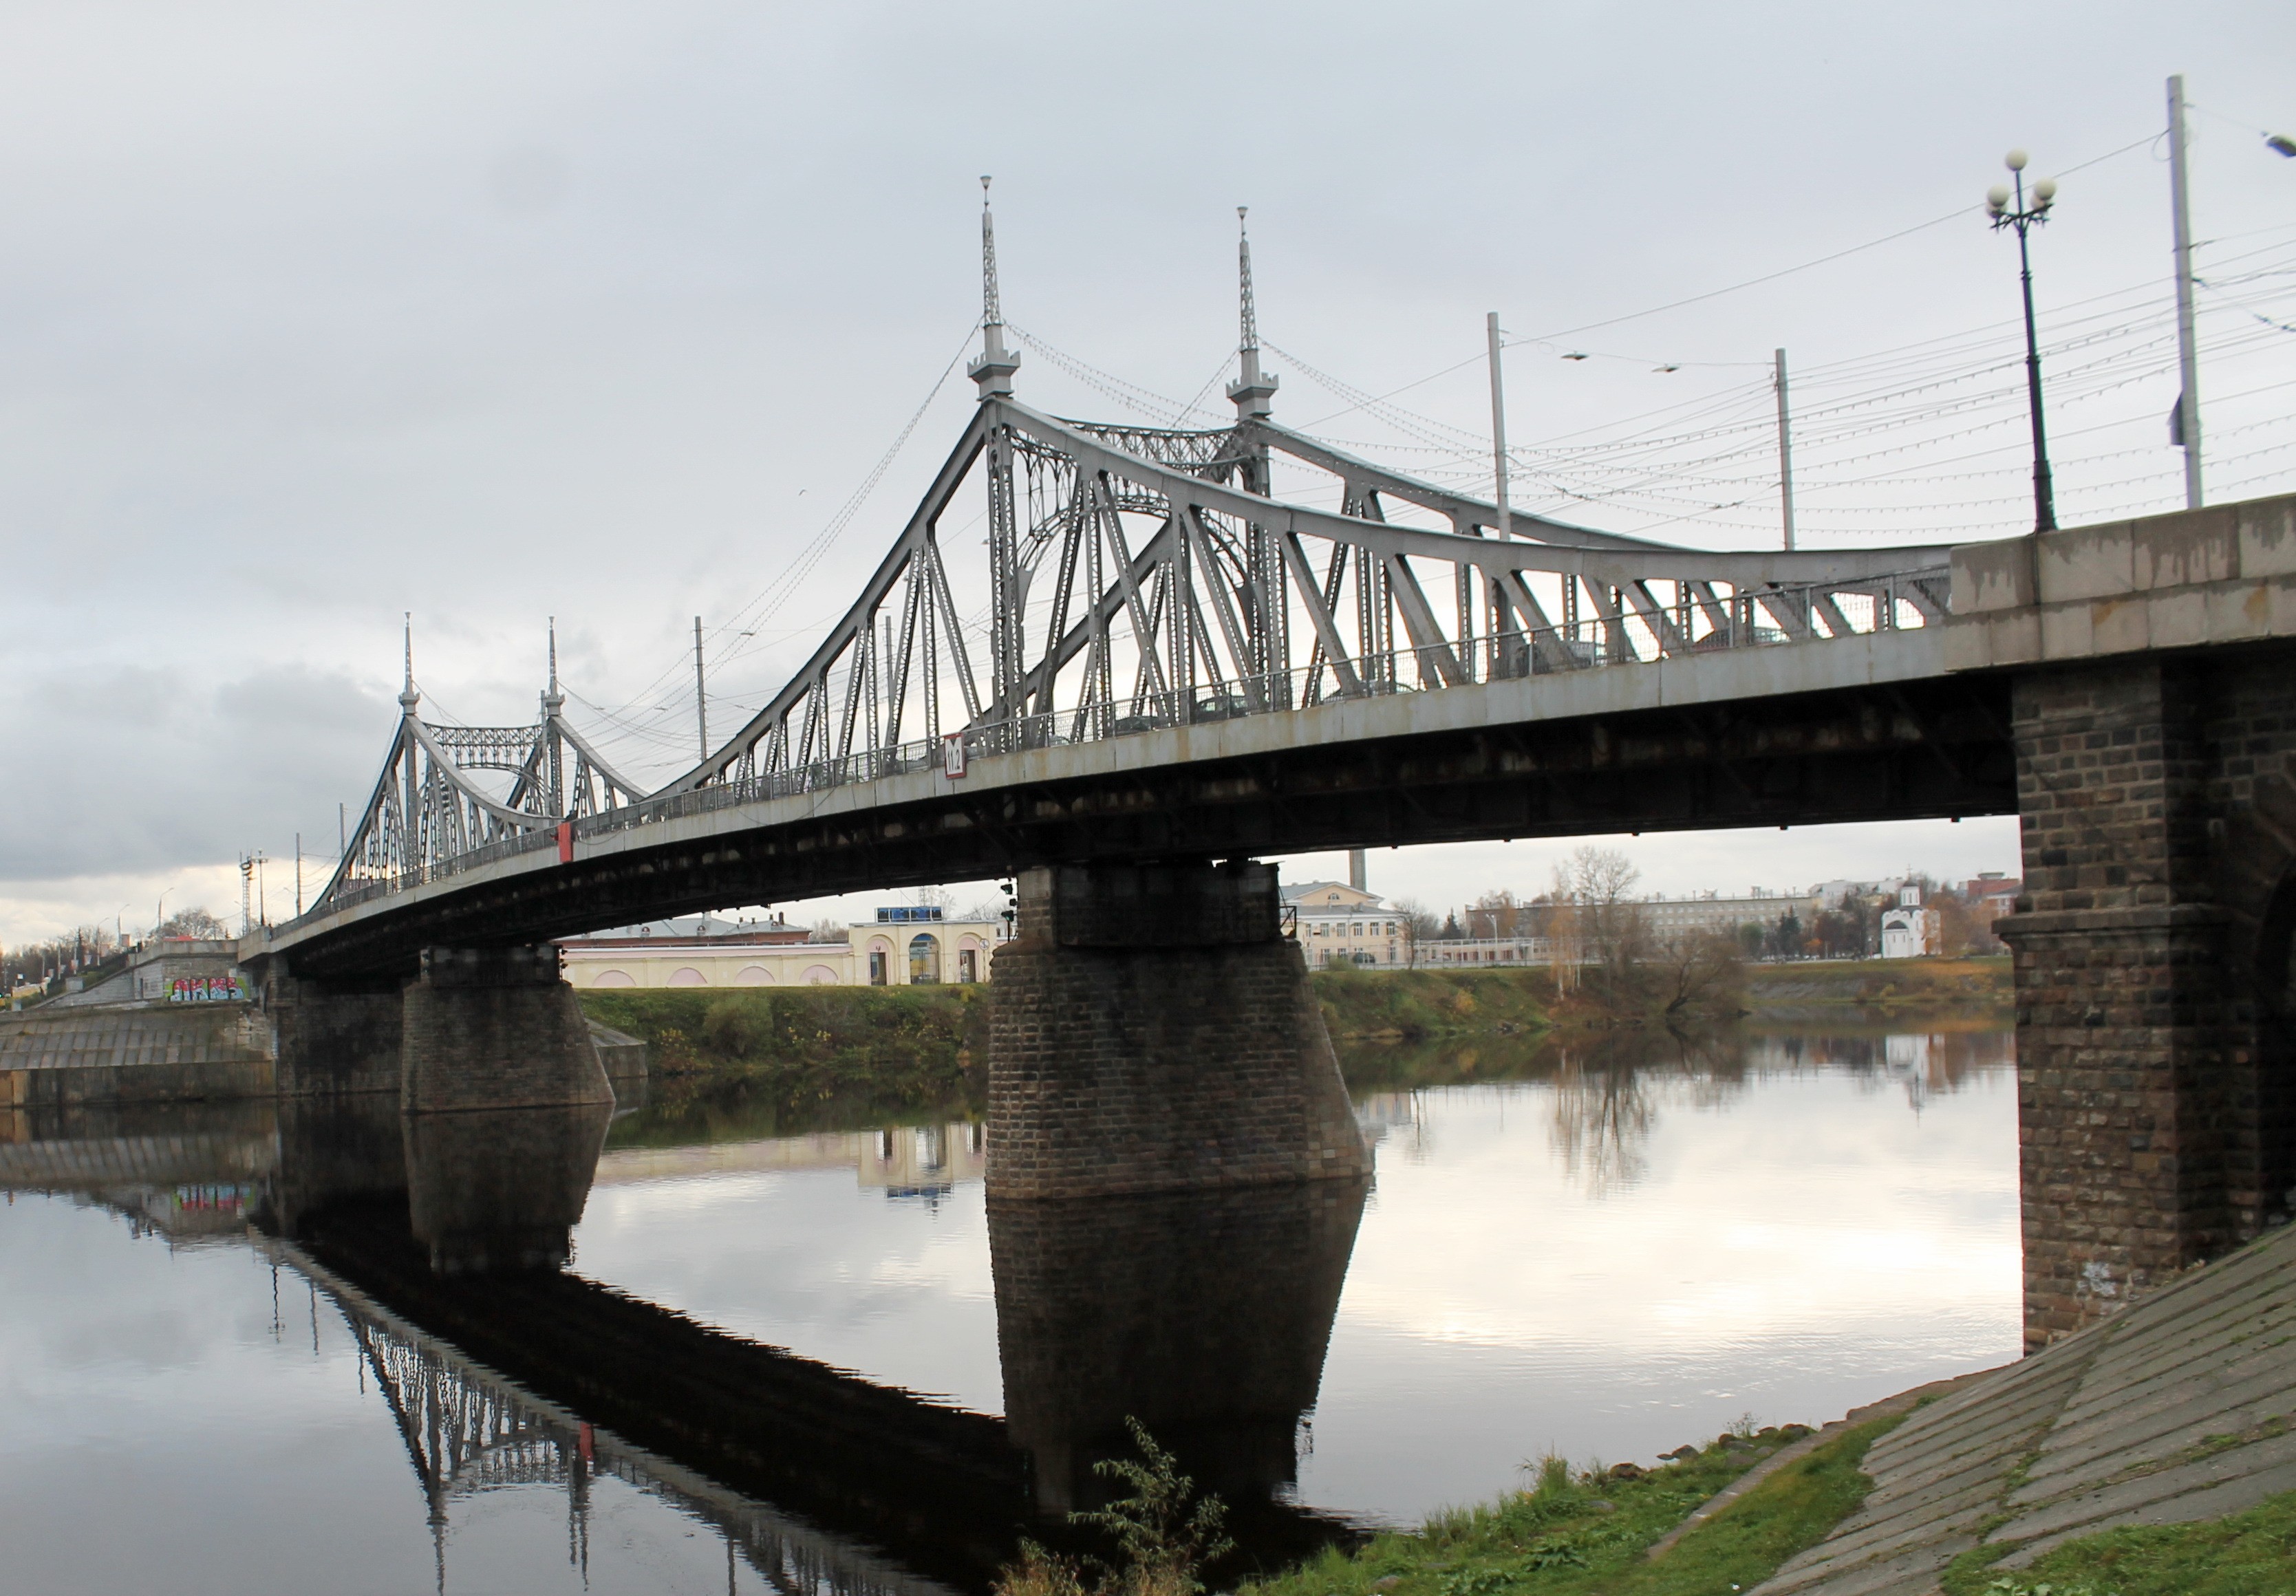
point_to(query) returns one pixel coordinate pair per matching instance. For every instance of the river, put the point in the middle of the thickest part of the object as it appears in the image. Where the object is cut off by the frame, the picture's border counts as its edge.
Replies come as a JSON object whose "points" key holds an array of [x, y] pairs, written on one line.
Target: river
{"points": [[245, 1350]]}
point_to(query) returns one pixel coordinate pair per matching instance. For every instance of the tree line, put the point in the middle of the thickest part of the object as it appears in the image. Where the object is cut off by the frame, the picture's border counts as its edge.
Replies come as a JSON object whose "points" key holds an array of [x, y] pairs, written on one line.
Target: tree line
{"points": [[47, 963]]}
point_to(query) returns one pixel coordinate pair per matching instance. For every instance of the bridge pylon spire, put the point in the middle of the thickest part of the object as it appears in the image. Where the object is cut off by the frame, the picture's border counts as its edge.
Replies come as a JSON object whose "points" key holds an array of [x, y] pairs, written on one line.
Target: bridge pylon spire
{"points": [[1253, 392], [408, 698], [993, 371]]}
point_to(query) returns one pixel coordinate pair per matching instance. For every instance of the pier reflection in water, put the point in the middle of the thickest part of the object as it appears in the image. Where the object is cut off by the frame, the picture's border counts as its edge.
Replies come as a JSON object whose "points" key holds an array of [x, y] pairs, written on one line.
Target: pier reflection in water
{"points": [[1563, 1247]]}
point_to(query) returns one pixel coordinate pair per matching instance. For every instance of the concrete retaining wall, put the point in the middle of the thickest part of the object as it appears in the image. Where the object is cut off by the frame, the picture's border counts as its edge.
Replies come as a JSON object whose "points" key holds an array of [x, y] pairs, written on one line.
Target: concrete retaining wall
{"points": [[161, 1054]]}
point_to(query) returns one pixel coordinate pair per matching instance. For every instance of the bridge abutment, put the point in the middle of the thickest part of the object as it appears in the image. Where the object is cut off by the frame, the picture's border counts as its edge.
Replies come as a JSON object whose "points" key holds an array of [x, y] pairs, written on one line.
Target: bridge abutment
{"points": [[496, 1028], [2156, 1105], [1152, 1030]]}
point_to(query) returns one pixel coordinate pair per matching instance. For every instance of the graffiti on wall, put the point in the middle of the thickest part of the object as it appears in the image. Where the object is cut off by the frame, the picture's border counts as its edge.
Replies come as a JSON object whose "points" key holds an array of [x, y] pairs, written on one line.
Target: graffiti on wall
{"points": [[206, 989]]}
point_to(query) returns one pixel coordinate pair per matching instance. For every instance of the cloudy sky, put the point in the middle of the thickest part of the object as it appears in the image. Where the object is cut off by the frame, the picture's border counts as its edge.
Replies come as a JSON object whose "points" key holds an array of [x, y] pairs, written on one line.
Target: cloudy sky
{"points": [[310, 316]]}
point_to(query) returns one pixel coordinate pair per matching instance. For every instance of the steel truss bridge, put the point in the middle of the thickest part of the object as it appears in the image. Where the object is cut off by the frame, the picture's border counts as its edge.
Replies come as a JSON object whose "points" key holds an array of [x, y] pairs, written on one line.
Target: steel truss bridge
{"points": [[1196, 641]]}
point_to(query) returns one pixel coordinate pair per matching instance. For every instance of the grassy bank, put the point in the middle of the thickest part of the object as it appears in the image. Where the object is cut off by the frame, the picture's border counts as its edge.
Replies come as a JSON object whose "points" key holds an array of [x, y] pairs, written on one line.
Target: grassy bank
{"points": [[1978, 986], [2247, 1554], [803, 1057], [1590, 1535], [1410, 1005]]}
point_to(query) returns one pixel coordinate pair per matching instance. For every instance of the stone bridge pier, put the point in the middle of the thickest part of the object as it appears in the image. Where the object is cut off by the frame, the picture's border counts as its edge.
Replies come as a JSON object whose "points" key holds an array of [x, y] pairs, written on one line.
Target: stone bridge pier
{"points": [[1152, 1030], [496, 1028], [2154, 718]]}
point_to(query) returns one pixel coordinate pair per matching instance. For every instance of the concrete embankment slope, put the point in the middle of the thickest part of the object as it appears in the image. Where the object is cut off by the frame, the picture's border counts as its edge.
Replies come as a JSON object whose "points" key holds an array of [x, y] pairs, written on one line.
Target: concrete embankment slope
{"points": [[160, 1052], [2178, 1409]]}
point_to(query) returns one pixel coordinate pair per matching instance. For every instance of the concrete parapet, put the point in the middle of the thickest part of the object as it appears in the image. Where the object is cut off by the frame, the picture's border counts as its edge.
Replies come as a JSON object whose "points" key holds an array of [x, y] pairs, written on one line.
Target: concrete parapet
{"points": [[2223, 575], [496, 1028], [1159, 1064]]}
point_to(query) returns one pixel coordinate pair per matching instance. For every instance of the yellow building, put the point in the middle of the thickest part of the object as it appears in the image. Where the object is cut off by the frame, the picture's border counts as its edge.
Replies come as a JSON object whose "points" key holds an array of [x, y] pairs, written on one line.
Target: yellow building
{"points": [[901, 947]]}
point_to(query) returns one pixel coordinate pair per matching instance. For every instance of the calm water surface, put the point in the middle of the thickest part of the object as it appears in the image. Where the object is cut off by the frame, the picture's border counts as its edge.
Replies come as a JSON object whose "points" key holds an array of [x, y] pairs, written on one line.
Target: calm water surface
{"points": [[243, 1353]]}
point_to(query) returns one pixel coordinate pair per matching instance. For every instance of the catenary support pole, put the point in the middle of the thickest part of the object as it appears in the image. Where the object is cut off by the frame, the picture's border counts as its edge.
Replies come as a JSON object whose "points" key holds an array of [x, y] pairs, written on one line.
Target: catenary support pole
{"points": [[1786, 454], [1499, 426], [700, 698], [2187, 429]]}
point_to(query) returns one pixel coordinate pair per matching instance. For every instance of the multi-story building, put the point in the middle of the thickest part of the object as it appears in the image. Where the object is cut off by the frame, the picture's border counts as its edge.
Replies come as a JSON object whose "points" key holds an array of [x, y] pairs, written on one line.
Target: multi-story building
{"points": [[1338, 924], [1672, 917]]}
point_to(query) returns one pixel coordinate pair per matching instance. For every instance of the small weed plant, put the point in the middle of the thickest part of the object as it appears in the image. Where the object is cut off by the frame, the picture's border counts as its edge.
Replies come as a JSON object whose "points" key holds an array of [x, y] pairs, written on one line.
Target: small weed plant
{"points": [[1164, 1534]]}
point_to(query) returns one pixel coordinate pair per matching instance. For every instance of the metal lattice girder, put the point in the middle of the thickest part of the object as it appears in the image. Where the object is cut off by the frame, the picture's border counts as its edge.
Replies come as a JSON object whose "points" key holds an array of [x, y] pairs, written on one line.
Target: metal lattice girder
{"points": [[1123, 553], [427, 807]]}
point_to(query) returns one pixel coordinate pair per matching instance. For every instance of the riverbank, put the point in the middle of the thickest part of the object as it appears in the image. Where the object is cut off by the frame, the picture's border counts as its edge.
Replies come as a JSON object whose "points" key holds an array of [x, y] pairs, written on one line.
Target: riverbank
{"points": [[1412, 1006], [1826, 988], [1723, 1517], [2153, 1454], [782, 1060]]}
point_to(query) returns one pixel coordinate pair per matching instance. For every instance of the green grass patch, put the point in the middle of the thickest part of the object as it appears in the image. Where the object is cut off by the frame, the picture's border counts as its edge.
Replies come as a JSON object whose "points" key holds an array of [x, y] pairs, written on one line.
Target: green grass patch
{"points": [[1588, 1534], [1887, 985], [1412, 1005], [2247, 1554]]}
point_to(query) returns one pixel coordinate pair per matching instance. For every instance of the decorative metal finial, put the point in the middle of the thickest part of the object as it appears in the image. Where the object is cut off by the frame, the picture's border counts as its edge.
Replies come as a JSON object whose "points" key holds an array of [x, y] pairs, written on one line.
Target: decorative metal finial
{"points": [[992, 315], [1253, 392], [407, 697], [1243, 271], [993, 371]]}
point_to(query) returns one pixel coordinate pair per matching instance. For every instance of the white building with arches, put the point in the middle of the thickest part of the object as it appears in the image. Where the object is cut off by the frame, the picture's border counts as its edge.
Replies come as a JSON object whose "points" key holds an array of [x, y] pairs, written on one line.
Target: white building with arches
{"points": [[900, 947]]}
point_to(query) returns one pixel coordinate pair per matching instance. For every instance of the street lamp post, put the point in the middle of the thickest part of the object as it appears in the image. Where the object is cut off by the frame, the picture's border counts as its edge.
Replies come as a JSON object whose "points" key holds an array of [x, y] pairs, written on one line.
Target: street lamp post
{"points": [[2008, 209]]}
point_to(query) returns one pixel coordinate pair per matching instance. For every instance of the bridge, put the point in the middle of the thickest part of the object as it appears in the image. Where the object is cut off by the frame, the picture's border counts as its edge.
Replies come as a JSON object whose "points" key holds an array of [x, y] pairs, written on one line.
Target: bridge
{"points": [[1174, 650]]}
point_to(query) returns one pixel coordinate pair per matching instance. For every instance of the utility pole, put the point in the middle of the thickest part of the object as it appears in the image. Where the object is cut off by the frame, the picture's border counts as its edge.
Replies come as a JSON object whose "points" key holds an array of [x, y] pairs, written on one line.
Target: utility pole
{"points": [[299, 875], [1499, 426], [1786, 454], [2184, 422], [246, 893], [701, 699]]}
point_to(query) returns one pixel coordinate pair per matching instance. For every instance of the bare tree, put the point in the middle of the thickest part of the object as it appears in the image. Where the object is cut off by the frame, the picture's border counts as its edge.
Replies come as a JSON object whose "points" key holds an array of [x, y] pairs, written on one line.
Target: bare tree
{"points": [[1698, 974], [1418, 926], [1496, 914], [1611, 926], [194, 922], [1565, 958], [825, 929]]}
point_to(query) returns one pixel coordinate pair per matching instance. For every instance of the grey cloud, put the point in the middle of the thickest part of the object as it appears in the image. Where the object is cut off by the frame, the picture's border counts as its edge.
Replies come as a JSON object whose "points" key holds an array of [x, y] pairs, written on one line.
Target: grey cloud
{"points": [[145, 769]]}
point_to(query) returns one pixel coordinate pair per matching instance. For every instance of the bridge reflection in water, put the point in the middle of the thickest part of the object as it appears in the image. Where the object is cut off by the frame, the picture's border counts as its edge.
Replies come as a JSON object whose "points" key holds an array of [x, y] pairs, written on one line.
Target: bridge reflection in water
{"points": [[442, 1242]]}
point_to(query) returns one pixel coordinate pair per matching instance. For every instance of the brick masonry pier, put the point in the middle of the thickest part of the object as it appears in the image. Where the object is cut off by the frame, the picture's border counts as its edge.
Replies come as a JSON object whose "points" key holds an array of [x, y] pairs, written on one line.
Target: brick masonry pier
{"points": [[1152, 1030], [2154, 718]]}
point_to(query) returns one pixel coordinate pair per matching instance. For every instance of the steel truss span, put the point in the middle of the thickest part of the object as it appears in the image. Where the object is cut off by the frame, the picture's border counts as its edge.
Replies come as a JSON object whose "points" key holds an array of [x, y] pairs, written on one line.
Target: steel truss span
{"points": [[1133, 579]]}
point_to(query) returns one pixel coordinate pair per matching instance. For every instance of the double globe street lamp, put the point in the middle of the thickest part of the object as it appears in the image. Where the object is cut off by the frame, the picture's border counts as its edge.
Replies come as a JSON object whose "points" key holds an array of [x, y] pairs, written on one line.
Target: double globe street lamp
{"points": [[2008, 208]]}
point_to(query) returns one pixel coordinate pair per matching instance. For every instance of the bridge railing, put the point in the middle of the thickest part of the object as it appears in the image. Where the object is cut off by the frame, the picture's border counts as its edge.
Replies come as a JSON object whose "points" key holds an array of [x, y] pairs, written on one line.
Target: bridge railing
{"points": [[1746, 621]]}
